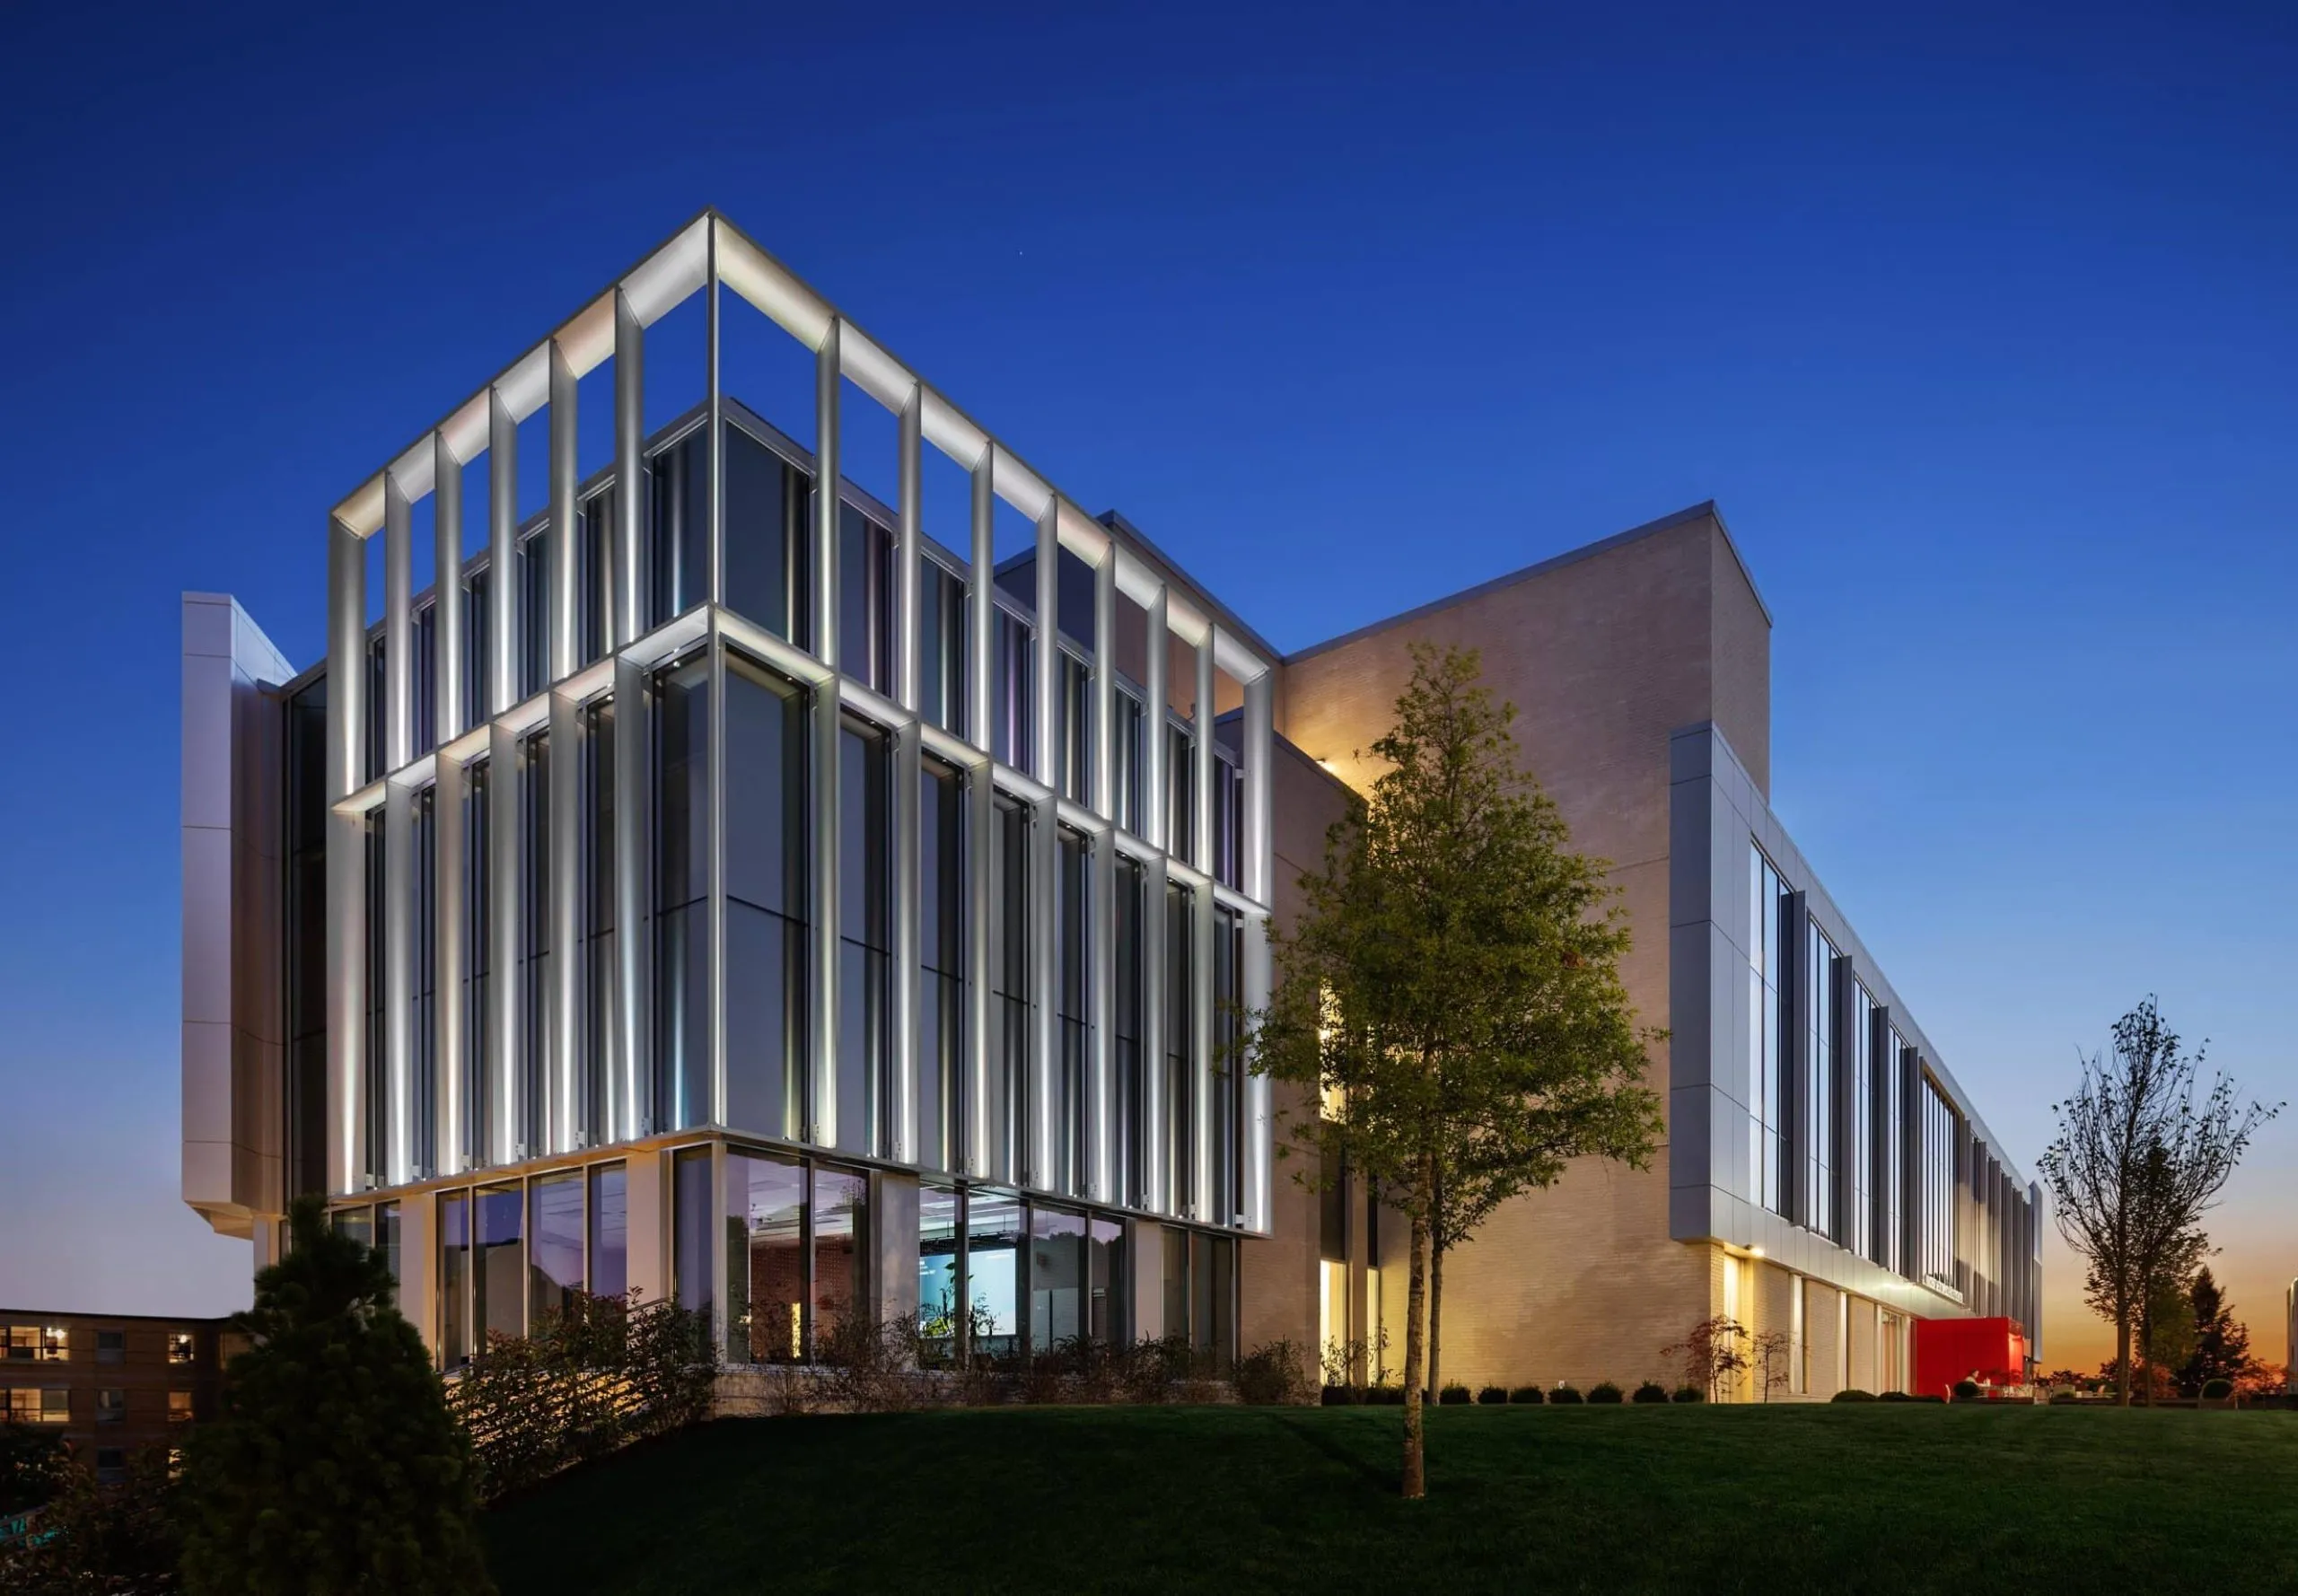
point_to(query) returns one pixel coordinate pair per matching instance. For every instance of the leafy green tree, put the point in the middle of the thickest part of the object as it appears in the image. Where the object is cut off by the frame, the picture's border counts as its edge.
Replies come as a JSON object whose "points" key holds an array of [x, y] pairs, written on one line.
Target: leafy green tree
{"points": [[2221, 1345], [33, 1464], [334, 1469], [1450, 995], [103, 1538]]}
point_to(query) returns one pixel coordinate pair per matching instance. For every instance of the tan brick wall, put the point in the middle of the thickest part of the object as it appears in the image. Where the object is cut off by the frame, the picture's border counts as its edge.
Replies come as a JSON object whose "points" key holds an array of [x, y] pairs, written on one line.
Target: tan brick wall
{"points": [[1864, 1366], [1823, 1327], [1603, 657]]}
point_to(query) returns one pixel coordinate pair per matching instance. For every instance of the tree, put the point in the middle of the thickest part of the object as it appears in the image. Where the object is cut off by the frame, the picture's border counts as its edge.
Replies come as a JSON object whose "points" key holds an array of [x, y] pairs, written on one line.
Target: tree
{"points": [[334, 1468], [2166, 1319], [2138, 1160], [2221, 1345], [1773, 1351], [97, 1538], [1712, 1354], [1451, 995]]}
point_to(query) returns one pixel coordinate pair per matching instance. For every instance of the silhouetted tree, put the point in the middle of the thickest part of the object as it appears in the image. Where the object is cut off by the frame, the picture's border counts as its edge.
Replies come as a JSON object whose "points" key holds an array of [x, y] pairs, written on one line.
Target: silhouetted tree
{"points": [[2222, 1346], [2137, 1161]]}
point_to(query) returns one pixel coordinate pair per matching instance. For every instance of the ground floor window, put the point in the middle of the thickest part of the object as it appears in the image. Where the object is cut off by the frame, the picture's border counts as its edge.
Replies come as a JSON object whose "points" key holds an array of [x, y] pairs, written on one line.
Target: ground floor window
{"points": [[514, 1252]]}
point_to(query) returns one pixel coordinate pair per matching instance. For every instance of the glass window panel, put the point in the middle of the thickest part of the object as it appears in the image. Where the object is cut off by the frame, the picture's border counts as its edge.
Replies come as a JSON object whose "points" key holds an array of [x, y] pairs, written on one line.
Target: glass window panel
{"points": [[765, 897], [538, 1016], [454, 1279], [768, 540], [865, 597], [597, 894], [609, 1230], [692, 1228], [864, 875], [1058, 1301], [358, 1223], [1176, 1276], [499, 1275], [1108, 1308], [765, 1258], [555, 1258], [940, 1288], [993, 1242], [841, 1248], [1074, 930], [681, 885], [940, 957], [387, 1242], [679, 526]]}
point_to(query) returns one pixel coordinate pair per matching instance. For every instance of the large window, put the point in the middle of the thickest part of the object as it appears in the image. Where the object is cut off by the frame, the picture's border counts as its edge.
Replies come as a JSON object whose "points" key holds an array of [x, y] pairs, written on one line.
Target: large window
{"points": [[767, 889], [1010, 1008], [596, 860], [1129, 1111], [942, 962], [865, 934], [678, 562], [1861, 1236], [1057, 1293], [866, 581], [1074, 920], [1125, 802], [1012, 735], [941, 647], [1942, 1134], [1227, 1068], [482, 1070], [1893, 1163], [39, 1344], [422, 1036], [769, 540], [1767, 1085], [537, 1016], [39, 1405], [513, 1253], [681, 724], [1180, 1052], [983, 1253], [499, 1261], [797, 1257], [555, 1271], [1819, 1152], [1074, 724]]}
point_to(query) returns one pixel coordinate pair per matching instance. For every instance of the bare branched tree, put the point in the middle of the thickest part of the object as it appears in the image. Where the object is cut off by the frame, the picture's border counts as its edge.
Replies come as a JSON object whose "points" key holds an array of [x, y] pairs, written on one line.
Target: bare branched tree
{"points": [[2138, 1160]]}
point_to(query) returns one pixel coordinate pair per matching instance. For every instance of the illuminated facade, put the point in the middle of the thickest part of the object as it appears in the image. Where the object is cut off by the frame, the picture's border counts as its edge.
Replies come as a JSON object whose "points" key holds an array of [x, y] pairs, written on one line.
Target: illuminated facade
{"points": [[813, 905], [757, 896]]}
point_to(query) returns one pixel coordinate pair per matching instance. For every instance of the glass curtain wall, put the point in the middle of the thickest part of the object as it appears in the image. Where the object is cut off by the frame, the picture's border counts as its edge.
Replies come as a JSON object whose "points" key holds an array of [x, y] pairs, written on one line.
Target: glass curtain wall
{"points": [[866, 935], [1074, 919], [767, 897], [678, 526], [681, 772], [769, 537], [1860, 1032], [1010, 1005], [1129, 1111], [1819, 1088], [1767, 1104], [555, 1273], [537, 1022], [797, 1251], [941, 647], [1227, 1067], [1942, 1132], [596, 731], [942, 963], [1180, 1077]]}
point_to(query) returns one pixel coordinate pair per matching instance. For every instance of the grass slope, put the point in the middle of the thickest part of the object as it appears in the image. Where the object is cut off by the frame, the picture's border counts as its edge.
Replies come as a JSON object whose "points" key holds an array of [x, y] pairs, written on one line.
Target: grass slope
{"points": [[1777, 1498]]}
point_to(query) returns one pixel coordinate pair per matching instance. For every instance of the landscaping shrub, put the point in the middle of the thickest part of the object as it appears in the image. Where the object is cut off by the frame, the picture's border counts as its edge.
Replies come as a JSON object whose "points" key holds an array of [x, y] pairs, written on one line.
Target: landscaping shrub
{"points": [[1342, 1396], [1966, 1390], [1930, 1397], [1651, 1391], [1690, 1393], [1385, 1396], [1604, 1391], [2217, 1389], [1895, 1397], [1493, 1395], [1564, 1395], [2057, 1397], [1531, 1396], [1851, 1394], [1272, 1374], [1452, 1396]]}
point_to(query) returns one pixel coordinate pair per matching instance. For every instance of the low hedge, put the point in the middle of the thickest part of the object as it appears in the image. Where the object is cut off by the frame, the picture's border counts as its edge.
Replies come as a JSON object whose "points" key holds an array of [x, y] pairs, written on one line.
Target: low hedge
{"points": [[1492, 1396], [1564, 1395], [1851, 1394], [1604, 1391], [1651, 1391], [1453, 1396], [1690, 1393], [1531, 1396]]}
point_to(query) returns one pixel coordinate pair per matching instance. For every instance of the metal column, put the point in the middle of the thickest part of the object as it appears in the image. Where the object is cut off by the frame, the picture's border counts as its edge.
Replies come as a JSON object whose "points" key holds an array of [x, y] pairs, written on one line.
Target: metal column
{"points": [[632, 1107], [565, 523], [1101, 1116], [1156, 794], [908, 772], [564, 1119], [447, 962], [450, 704], [398, 983], [1260, 750], [504, 780], [503, 555], [981, 605], [347, 919], [626, 619]]}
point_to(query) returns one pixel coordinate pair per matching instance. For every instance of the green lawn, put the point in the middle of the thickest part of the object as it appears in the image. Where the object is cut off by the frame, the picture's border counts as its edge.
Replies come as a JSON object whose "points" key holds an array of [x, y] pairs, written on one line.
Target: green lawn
{"points": [[1881, 1497]]}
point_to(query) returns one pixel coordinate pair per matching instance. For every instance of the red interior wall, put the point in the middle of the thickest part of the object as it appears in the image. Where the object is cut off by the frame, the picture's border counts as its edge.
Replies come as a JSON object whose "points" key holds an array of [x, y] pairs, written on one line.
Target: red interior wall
{"points": [[1947, 1350]]}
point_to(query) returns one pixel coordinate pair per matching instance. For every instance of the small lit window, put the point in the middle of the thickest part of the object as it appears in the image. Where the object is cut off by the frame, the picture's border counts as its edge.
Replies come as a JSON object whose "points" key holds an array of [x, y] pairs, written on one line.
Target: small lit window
{"points": [[179, 1346], [33, 1405], [111, 1407], [39, 1344], [178, 1407], [111, 1347]]}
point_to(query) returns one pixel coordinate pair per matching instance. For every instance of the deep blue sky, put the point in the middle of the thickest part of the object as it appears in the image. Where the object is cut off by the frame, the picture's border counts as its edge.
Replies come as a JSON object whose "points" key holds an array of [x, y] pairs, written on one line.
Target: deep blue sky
{"points": [[1982, 335]]}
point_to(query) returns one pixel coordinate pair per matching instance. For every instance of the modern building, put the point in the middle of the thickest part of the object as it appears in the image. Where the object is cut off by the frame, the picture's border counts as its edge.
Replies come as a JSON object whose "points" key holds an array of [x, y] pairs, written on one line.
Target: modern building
{"points": [[110, 1384], [805, 905]]}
